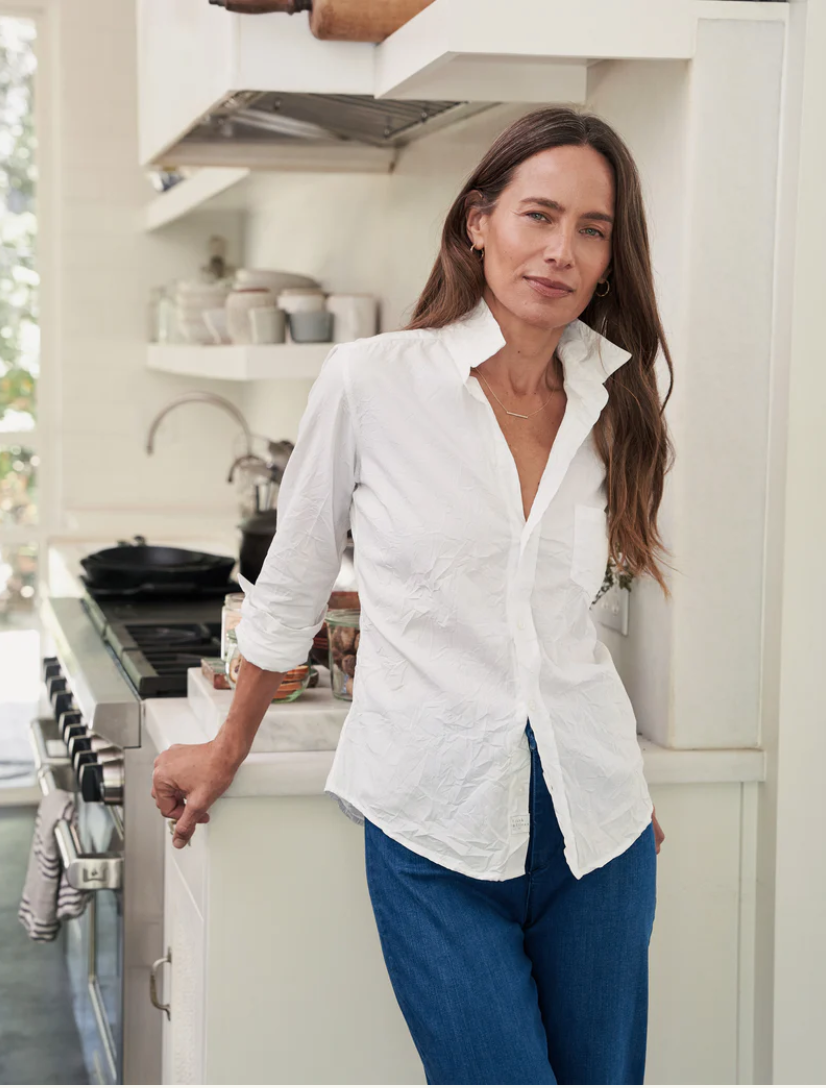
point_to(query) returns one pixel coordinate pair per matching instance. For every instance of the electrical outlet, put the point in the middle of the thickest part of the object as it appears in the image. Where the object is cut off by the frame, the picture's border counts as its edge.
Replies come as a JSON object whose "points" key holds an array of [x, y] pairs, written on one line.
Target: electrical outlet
{"points": [[611, 610]]}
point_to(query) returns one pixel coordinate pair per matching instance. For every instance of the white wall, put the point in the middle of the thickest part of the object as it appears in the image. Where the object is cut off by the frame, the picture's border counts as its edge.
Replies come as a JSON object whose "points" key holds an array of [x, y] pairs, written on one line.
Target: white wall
{"points": [[98, 267], [798, 995], [694, 668]]}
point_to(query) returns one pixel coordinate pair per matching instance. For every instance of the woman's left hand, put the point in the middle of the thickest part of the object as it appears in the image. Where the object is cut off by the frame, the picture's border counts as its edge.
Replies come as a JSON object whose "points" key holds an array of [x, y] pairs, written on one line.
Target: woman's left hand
{"points": [[659, 834]]}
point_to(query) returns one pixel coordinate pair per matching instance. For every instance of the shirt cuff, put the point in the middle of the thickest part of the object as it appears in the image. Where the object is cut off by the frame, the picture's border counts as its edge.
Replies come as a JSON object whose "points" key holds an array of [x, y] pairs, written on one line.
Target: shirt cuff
{"points": [[265, 641]]}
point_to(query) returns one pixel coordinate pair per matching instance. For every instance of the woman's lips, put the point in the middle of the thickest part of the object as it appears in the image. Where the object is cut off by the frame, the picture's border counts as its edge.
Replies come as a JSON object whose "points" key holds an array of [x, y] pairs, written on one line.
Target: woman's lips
{"points": [[544, 288]]}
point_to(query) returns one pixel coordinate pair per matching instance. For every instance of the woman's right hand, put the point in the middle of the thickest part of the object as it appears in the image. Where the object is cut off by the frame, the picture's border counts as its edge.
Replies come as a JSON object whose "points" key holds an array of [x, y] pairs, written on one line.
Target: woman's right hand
{"points": [[187, 780]]}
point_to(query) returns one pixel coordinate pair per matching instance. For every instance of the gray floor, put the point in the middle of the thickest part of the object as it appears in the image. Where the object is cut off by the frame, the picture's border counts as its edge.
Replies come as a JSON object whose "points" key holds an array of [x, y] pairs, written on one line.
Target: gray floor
{"points": [[38, 1039]]}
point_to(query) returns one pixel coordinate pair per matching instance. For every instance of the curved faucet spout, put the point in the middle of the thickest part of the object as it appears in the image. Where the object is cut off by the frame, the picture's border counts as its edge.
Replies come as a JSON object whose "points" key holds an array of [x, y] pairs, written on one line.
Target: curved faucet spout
{"points": [[206, 398]]}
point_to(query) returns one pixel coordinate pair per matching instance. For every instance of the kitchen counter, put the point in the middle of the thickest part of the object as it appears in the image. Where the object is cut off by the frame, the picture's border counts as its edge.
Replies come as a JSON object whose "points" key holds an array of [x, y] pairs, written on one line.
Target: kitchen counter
{"points": [[264, 773], [193, 721]]}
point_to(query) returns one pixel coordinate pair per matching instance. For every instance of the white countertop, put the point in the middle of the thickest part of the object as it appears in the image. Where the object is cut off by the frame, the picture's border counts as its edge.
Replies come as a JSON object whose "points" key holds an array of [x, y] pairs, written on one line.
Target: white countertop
{"points": [[172, 721]]}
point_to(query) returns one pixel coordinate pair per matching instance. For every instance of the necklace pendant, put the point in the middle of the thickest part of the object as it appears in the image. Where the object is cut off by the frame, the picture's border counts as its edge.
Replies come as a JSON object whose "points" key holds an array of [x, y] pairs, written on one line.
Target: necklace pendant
{"points": [[518, 416]]}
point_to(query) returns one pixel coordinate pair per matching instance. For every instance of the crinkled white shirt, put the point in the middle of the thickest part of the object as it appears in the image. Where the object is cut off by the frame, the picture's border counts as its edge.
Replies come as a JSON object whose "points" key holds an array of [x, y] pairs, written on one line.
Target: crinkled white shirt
{"points": [[472, 619]]}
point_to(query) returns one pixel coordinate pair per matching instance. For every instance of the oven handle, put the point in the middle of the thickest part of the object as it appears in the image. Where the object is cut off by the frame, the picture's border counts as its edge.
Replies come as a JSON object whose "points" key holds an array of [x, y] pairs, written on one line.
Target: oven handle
{"points": [[85, 872], [153, 983]]}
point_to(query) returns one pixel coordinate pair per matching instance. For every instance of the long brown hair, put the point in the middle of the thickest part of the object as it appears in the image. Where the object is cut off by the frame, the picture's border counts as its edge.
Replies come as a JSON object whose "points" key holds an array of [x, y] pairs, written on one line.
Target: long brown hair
{"points": [[631, 433]]}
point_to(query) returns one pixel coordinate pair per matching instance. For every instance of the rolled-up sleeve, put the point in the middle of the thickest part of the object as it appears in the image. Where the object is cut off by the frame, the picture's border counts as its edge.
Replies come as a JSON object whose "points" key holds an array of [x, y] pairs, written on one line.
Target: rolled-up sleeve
{"points": [[285, 608]]}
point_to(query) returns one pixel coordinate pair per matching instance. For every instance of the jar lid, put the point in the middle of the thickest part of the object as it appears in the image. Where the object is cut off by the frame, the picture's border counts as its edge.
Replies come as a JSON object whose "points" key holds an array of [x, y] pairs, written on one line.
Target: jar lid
{"points": [[233, 599], [343, 617]]}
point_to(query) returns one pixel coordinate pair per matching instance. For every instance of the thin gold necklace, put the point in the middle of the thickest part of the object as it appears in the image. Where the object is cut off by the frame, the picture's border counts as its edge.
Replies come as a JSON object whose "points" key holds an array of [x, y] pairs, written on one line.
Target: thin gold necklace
{"points": [[518, 415]]}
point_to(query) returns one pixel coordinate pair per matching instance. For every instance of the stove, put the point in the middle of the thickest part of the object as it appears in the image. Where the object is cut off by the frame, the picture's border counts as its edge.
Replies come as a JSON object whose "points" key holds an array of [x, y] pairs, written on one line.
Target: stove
{"points": [[156, 638], [114, 650]]}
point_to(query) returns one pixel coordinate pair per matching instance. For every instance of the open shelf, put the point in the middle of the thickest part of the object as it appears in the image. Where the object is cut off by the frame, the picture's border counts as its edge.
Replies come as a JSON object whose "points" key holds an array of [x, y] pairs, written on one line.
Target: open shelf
{"points": [[190, 193], [239, 362]]}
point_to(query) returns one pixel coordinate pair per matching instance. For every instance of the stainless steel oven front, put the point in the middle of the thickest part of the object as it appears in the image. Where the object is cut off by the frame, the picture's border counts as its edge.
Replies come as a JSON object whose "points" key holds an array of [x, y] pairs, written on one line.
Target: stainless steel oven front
{"points": [[92, 749]]}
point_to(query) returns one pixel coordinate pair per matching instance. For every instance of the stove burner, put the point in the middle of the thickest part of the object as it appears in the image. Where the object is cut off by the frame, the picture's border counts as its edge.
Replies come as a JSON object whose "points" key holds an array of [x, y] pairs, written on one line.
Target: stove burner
{"points": [[148, 636]]}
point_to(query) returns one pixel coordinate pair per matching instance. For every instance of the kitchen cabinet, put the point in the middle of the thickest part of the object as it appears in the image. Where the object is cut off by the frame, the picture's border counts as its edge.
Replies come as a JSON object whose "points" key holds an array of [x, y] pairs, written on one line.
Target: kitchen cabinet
{"points": [[184, 1040], [277, 974]]}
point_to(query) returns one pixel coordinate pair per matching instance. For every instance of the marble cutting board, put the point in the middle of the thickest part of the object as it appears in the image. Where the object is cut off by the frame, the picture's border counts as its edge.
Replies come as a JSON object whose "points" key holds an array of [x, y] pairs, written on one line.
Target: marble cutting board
{"points": [[311, 723]]}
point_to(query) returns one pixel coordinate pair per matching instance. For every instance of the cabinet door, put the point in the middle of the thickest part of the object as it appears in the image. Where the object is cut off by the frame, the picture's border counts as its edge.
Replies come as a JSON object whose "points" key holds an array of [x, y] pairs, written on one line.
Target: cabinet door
{"points": [[184, 1040]]}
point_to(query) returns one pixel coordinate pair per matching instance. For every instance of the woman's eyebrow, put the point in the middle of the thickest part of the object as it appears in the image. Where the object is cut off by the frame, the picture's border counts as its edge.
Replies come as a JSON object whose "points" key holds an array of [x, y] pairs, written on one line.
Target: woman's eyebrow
{"points": [[555, 206]]}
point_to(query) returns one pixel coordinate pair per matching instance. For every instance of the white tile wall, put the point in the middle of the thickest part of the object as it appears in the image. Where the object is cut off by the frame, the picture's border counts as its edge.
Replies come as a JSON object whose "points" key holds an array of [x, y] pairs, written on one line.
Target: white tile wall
{"points": [[102, 266]]}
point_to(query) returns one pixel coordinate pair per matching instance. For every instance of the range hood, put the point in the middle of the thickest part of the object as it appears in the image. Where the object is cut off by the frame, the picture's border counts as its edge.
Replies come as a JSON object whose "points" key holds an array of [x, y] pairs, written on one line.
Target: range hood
{"points": [[249, 126]]}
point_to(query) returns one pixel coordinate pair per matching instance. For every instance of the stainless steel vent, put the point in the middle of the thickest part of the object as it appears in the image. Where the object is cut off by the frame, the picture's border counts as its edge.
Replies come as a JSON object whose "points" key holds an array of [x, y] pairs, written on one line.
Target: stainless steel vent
{"points": [[272, 117]]}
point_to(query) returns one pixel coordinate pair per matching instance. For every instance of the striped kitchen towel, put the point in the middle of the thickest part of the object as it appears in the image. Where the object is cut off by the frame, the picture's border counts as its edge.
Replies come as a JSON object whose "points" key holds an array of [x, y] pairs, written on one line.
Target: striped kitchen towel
{"points": [[47, 897]]}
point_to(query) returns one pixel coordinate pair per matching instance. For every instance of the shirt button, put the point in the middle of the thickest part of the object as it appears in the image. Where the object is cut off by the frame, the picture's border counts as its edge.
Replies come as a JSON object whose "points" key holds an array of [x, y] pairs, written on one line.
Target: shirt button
{"points": [[520, 624]]}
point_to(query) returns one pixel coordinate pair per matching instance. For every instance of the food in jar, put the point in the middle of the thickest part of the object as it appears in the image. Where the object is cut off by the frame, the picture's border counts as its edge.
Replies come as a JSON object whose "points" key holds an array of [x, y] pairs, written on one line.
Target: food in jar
{"points": [[343, 626], [230, 618]]}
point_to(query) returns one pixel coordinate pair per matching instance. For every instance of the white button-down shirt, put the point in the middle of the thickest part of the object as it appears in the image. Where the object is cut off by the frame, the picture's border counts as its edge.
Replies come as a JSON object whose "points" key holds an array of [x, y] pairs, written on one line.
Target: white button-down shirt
{"points": [[473, 619]]}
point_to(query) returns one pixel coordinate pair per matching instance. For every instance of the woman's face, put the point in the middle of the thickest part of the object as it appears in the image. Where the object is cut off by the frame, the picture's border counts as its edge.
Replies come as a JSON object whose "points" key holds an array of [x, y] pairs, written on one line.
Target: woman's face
{"points": [[551, 224]]}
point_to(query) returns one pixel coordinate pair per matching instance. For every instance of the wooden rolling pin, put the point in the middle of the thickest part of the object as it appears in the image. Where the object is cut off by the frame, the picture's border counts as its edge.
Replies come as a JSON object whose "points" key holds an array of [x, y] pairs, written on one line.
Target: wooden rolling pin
{"points": [[339, 20]]}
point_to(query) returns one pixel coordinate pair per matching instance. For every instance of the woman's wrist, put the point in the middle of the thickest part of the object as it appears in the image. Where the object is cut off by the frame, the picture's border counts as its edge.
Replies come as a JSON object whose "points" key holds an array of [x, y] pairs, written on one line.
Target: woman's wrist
{"points": [[230, 749]]}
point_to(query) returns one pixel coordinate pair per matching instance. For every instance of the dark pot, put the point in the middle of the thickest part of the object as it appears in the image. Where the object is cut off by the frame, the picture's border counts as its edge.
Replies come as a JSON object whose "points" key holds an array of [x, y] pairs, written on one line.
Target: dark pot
{"points": [[257, 532]]}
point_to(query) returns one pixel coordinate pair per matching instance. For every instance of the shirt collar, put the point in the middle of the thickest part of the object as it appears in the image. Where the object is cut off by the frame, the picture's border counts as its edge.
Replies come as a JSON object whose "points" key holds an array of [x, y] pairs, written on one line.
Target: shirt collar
{"points": [[585, 353]]}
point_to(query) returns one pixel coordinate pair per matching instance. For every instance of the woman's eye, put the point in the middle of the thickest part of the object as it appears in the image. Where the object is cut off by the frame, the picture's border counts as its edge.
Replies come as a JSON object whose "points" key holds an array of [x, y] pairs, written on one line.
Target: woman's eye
{"points": [[598, 233], [539, 216]]}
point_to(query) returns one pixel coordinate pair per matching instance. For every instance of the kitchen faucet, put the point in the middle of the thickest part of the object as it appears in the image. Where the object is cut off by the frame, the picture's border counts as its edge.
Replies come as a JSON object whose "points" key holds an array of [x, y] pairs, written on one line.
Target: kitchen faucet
{"points": [[208, 398]]}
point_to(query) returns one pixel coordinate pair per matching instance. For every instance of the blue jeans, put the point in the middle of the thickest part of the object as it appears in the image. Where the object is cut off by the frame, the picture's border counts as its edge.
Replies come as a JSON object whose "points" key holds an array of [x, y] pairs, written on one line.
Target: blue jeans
{"points": [[541, 979]]}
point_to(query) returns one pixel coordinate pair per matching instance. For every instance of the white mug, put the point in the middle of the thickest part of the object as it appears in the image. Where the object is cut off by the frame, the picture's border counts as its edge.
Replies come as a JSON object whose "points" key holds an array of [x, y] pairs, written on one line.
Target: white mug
{"points": [[268, 325]]}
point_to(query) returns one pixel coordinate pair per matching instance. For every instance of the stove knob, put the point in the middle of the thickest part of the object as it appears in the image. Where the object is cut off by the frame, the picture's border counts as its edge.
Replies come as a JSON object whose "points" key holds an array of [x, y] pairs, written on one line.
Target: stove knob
{"points": [[51, 667], [92, 749], [112, 782], [91, 782], [55, 686], [81, 758], [62, 703], [71, 717], [79, 740]]}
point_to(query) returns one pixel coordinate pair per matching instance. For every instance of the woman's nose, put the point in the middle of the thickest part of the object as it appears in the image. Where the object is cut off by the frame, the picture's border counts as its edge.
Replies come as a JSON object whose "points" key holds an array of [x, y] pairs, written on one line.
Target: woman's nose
{"points": [[560, 245]]}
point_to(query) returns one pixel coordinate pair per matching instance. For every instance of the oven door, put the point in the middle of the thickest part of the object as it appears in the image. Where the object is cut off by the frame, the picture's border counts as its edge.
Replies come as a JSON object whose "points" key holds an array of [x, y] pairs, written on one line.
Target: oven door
{"points": [[101, 832], [92, 854]]}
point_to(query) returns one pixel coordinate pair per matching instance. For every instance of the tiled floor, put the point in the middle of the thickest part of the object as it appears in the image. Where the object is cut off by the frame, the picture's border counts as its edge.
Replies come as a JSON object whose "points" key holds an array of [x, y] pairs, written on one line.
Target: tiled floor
{"points": [[38, 1038]]}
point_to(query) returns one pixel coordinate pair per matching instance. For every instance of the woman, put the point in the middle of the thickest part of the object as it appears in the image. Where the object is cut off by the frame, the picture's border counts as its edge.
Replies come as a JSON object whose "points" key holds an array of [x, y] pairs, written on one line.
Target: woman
{"points": [[490, 750]]}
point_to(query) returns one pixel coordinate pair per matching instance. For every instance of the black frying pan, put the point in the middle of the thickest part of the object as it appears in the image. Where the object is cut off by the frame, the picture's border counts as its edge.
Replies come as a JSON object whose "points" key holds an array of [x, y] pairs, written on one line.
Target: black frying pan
{"points": [[130, 565]]}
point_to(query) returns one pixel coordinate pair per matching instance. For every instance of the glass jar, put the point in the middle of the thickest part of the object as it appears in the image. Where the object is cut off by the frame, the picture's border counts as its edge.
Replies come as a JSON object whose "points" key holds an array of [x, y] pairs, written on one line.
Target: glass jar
{"points": [[343, 625], [294, 682], [230, 618]]}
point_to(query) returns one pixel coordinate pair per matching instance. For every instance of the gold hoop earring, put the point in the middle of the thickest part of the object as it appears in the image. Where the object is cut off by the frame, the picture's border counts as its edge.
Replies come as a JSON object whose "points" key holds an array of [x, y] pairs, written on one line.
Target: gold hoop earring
{"points": [[602, 294], [481, 251]]}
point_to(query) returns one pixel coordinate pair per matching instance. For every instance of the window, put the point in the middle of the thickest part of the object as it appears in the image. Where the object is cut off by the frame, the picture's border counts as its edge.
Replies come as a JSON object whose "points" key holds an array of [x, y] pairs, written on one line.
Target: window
{"points": [[20, 526], [19, 333]]}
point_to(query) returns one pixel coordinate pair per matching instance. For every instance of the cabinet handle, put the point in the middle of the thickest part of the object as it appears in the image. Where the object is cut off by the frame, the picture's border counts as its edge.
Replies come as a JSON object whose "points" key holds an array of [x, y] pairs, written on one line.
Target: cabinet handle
{"points": [[153, 983]]}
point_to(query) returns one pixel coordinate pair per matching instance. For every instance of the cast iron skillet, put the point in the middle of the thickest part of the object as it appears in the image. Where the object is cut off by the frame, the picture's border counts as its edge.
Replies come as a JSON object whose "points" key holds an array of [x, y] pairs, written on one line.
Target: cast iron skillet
{"points": [[130, 565]]}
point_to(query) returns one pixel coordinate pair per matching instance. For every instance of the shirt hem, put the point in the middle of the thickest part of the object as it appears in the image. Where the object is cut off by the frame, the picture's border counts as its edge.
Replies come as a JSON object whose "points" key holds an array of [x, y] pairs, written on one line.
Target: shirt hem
{"points": [[624, 845], [415, 848]]}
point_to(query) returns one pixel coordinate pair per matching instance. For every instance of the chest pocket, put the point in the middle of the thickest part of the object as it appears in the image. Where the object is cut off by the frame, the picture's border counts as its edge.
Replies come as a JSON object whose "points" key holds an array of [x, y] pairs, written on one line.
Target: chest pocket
{"points": [[590, 550]]}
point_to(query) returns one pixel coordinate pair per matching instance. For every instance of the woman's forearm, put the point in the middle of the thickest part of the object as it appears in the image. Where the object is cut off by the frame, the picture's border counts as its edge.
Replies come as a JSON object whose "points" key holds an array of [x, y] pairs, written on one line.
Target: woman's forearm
{"points": [[253, 694]]}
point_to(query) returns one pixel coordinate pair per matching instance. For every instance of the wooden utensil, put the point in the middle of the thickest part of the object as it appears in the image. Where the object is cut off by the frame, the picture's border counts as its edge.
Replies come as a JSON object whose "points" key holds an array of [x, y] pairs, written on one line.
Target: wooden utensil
{"points": [[361, 20], [339, 20]]}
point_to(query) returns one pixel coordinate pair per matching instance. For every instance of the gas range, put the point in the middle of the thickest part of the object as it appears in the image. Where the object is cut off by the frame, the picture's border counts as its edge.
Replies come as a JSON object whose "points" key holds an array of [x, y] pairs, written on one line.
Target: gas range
{"points": [[112, 652], [156, 639]]}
